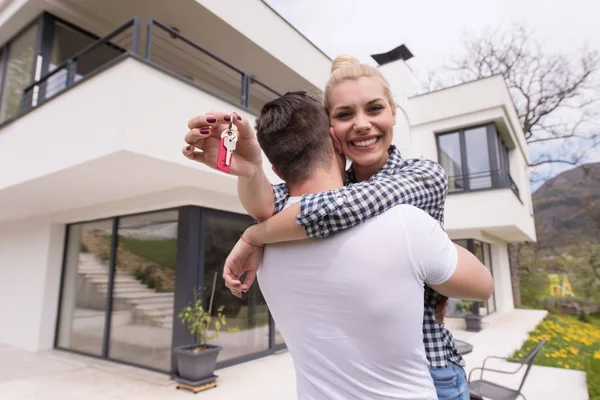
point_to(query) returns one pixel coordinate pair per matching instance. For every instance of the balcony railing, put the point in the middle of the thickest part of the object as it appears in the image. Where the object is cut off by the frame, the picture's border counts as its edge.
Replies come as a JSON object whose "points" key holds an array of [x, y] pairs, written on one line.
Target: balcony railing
{"points": [[485, 180], [166, 49]]}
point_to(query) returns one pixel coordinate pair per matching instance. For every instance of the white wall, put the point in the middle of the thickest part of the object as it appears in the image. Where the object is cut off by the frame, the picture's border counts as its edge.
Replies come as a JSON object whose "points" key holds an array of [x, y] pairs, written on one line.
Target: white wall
{"points": [[30, 265], [256, 21], [502, 281]]}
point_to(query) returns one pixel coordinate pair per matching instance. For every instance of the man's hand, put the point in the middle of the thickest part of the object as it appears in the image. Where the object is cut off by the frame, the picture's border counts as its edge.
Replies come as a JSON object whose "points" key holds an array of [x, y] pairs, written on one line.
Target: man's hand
{"points": [[205, 135], [244, 257]]}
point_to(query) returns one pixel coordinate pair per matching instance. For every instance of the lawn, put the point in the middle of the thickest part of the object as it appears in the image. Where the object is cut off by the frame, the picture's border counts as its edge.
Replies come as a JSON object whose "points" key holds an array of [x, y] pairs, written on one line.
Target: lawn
{"points": [[571, 344], [162, 252]]}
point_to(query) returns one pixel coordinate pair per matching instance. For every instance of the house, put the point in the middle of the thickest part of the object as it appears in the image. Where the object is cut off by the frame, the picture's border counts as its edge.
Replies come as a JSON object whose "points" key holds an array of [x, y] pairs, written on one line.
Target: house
{"points": [[106, 230]]}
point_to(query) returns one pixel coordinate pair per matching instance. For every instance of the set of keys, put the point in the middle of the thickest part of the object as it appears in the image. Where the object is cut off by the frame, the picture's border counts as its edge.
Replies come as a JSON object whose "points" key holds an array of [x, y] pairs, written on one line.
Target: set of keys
{"points": [[227, 147]]}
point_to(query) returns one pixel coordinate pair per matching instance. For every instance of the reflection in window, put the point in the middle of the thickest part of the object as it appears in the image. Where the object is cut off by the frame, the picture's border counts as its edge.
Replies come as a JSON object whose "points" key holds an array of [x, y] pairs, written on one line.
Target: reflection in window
{"points": [[19, 73], [249, 314], [143, 292], [450, 160], [84, 287], [478, 158]]}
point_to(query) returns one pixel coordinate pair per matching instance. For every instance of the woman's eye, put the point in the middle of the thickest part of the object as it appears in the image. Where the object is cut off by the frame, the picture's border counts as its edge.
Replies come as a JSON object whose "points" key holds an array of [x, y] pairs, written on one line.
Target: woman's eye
{"points": [[376, 108], [343, 115]]}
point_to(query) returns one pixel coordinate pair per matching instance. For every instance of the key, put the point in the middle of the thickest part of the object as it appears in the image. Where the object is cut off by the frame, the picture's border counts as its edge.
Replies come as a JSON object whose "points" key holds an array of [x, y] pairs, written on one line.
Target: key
{"points": [[230, 144]]}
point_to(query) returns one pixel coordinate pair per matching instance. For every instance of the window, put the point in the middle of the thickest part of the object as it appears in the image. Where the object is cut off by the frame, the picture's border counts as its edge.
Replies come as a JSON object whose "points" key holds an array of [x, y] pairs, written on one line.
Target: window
{"points": [[126, 278], [18, 71], [249, 316], [461, 308], [474, 159]]}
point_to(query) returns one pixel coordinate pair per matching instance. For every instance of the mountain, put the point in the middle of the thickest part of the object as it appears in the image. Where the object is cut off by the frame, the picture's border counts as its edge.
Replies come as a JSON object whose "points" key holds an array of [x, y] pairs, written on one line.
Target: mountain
{"points": [[567, 207]]}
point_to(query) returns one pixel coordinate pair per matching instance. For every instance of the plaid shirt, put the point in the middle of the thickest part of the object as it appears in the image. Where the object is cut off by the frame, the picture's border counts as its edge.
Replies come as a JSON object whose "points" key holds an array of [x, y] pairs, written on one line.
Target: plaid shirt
{"points": [[418, 182]]}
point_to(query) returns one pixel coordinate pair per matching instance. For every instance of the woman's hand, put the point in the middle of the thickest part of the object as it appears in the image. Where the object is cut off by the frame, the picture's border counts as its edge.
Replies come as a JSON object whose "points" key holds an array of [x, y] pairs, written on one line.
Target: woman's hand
{"points": [[205, 136]]}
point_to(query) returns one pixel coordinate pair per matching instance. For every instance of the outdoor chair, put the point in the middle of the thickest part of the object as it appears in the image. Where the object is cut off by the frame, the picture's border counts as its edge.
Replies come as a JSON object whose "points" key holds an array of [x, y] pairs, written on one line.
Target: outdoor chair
{"points": [[483, 388]]}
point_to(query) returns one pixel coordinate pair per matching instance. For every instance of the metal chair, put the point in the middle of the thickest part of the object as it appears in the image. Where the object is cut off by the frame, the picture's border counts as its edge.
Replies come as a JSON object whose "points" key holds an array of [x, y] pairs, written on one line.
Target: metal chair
{"points": [[483, 388]]}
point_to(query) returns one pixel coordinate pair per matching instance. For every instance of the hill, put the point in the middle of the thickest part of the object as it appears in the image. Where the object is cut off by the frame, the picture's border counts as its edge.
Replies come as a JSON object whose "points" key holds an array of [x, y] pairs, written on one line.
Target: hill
{"points": [[567, 207]]}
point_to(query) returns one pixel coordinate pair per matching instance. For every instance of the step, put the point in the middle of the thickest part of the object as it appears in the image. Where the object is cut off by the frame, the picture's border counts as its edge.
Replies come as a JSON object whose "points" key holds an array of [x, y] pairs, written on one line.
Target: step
{"points": [[122, 285], [126, 292], [155, 306], [156, 313], [100, 272], [118, 279], [145, 295], [154, 301]]}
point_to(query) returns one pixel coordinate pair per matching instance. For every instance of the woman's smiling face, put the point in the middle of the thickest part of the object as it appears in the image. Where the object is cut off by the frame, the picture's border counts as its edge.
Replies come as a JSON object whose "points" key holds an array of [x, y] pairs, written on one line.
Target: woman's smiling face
{"points": [[363, 121]]}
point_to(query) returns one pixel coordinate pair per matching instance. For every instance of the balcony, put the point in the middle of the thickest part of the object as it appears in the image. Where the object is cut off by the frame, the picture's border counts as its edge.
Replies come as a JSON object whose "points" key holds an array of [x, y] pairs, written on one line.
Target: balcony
{"points": [[107, 126], [165, 49], [486, 180]]}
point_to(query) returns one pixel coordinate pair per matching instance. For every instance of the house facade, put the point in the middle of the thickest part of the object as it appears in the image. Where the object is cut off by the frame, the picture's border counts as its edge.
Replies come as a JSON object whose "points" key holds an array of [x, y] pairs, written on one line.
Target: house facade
{"points": [[106, 230]]}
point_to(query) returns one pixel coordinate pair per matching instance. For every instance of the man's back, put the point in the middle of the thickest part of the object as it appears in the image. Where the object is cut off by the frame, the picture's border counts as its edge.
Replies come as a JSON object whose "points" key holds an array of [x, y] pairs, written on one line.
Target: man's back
{"points": [[349, 306]]}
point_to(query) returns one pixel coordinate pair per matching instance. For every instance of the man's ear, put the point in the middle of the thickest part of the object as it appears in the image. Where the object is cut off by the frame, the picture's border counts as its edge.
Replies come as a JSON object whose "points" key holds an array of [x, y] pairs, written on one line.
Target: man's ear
{"points": [[276, 172], [337, 145]]}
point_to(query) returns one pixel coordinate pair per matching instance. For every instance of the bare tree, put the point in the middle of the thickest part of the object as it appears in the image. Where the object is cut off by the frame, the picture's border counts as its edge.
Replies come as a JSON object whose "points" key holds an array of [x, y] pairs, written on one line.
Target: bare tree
{"points": [[557, 99]]}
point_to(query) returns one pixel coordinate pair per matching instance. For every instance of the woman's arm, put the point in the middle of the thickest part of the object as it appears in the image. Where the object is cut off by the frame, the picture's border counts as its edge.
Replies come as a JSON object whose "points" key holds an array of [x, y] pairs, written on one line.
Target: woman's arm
{"points": [[421, 183]]}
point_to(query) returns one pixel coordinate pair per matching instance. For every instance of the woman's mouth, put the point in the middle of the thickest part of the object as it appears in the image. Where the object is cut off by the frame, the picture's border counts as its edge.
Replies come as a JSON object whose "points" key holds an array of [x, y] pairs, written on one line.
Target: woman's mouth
{"points": [[365, 144]]}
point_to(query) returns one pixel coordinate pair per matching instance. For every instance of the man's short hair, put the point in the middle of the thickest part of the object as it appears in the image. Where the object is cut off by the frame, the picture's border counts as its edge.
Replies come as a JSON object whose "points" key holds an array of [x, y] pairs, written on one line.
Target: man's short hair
{"points": [[293, 131]]}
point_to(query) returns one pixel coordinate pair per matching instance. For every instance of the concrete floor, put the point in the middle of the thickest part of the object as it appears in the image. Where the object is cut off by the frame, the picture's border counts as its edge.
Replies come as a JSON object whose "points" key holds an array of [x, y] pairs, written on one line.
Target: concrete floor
{"points": [[56, 375]]}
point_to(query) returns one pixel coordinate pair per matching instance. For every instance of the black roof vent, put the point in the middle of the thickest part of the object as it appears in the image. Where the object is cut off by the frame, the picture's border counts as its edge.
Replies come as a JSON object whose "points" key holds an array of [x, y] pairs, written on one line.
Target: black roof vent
{"points": [[399, 53]]}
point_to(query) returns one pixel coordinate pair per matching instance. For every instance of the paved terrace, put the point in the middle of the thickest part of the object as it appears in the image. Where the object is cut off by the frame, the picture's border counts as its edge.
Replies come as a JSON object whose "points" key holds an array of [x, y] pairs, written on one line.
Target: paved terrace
{"points": [[59, 375]]}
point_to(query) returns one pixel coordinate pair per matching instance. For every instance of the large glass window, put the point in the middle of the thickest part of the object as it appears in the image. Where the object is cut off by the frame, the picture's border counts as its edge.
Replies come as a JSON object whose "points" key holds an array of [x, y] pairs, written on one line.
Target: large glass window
{"points": [[84, 287], [19, 72], [141, 326], [474, 158], [249, 315]]}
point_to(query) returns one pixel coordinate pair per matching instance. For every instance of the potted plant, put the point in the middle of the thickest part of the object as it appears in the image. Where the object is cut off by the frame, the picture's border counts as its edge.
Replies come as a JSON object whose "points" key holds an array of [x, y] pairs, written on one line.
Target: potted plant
{"points": [[196, 363]]}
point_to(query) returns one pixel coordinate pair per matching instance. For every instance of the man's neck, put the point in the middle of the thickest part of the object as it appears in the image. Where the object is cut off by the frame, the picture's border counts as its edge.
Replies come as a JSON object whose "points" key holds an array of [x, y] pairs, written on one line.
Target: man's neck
{"points": [[320, 181]]}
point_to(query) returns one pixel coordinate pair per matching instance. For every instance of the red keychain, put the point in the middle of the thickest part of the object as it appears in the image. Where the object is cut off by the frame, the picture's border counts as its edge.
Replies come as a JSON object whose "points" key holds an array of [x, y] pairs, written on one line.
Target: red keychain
{"points": [[226, 148]]}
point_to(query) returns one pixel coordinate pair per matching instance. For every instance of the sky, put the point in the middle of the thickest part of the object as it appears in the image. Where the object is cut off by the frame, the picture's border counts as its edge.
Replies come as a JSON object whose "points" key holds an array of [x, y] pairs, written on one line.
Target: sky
{"points": [[433, 30]]}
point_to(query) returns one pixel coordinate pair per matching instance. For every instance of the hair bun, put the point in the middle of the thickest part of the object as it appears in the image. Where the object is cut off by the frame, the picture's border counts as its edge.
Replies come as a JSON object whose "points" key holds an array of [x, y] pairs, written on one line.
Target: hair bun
{"points": [[344, 61]]}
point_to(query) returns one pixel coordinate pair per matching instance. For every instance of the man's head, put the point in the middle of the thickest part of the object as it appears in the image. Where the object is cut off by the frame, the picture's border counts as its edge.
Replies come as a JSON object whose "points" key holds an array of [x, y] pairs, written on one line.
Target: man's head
{"points": [[293, 131]]}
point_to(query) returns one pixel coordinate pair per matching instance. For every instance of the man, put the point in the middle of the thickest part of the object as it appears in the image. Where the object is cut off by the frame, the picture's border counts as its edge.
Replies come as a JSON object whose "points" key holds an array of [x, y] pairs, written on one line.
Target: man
{"points": [[351, 333]]}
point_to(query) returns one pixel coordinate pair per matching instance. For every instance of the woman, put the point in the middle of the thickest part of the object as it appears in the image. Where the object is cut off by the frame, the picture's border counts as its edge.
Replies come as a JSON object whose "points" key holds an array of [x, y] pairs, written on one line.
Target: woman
{"points": [[362, 114]]}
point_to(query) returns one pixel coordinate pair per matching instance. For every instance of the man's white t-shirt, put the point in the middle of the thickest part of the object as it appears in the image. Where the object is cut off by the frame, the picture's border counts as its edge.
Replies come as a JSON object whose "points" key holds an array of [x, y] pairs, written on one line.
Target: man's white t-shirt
{"points": [[350, 306]]}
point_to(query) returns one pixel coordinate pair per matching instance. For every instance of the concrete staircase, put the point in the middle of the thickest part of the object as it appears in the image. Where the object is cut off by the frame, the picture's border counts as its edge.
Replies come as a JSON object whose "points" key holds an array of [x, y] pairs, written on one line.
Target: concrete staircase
{"points": [[146, 305]]}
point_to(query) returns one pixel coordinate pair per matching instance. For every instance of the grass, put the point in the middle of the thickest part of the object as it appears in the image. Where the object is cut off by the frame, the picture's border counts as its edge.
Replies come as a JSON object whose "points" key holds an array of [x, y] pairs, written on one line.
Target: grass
{"points": [[161, 252], [571, 344]]}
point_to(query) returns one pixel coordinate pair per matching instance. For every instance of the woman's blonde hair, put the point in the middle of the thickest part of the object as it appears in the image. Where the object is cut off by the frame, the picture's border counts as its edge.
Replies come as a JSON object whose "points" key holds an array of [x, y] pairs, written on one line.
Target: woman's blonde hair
{"points": [[346, 68]]}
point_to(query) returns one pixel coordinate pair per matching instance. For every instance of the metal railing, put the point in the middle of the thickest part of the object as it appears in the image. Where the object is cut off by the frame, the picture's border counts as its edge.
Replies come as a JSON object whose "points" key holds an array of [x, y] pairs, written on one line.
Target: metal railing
{"points": [[482, 180], [166, 49], [173, 51], [124, 39]]}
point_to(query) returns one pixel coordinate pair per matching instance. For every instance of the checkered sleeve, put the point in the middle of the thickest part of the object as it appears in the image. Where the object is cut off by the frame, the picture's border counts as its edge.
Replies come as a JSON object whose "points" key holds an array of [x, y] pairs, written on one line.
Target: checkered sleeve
{"points": [[281, 195], [418, 182]]}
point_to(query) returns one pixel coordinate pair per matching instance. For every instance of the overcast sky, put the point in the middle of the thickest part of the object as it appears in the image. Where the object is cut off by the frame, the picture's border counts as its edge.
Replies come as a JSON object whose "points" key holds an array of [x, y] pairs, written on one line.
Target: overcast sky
{"points": [[433, 30]]}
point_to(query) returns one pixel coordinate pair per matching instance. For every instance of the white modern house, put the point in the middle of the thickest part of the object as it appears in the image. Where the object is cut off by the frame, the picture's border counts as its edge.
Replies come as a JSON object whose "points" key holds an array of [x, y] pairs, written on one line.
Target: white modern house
{"points": [[106, 230]]}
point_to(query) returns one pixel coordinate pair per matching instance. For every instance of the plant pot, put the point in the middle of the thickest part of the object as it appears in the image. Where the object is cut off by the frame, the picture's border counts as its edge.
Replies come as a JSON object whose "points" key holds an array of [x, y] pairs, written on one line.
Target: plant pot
{"points": [[196, 366], [473, 323]]}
